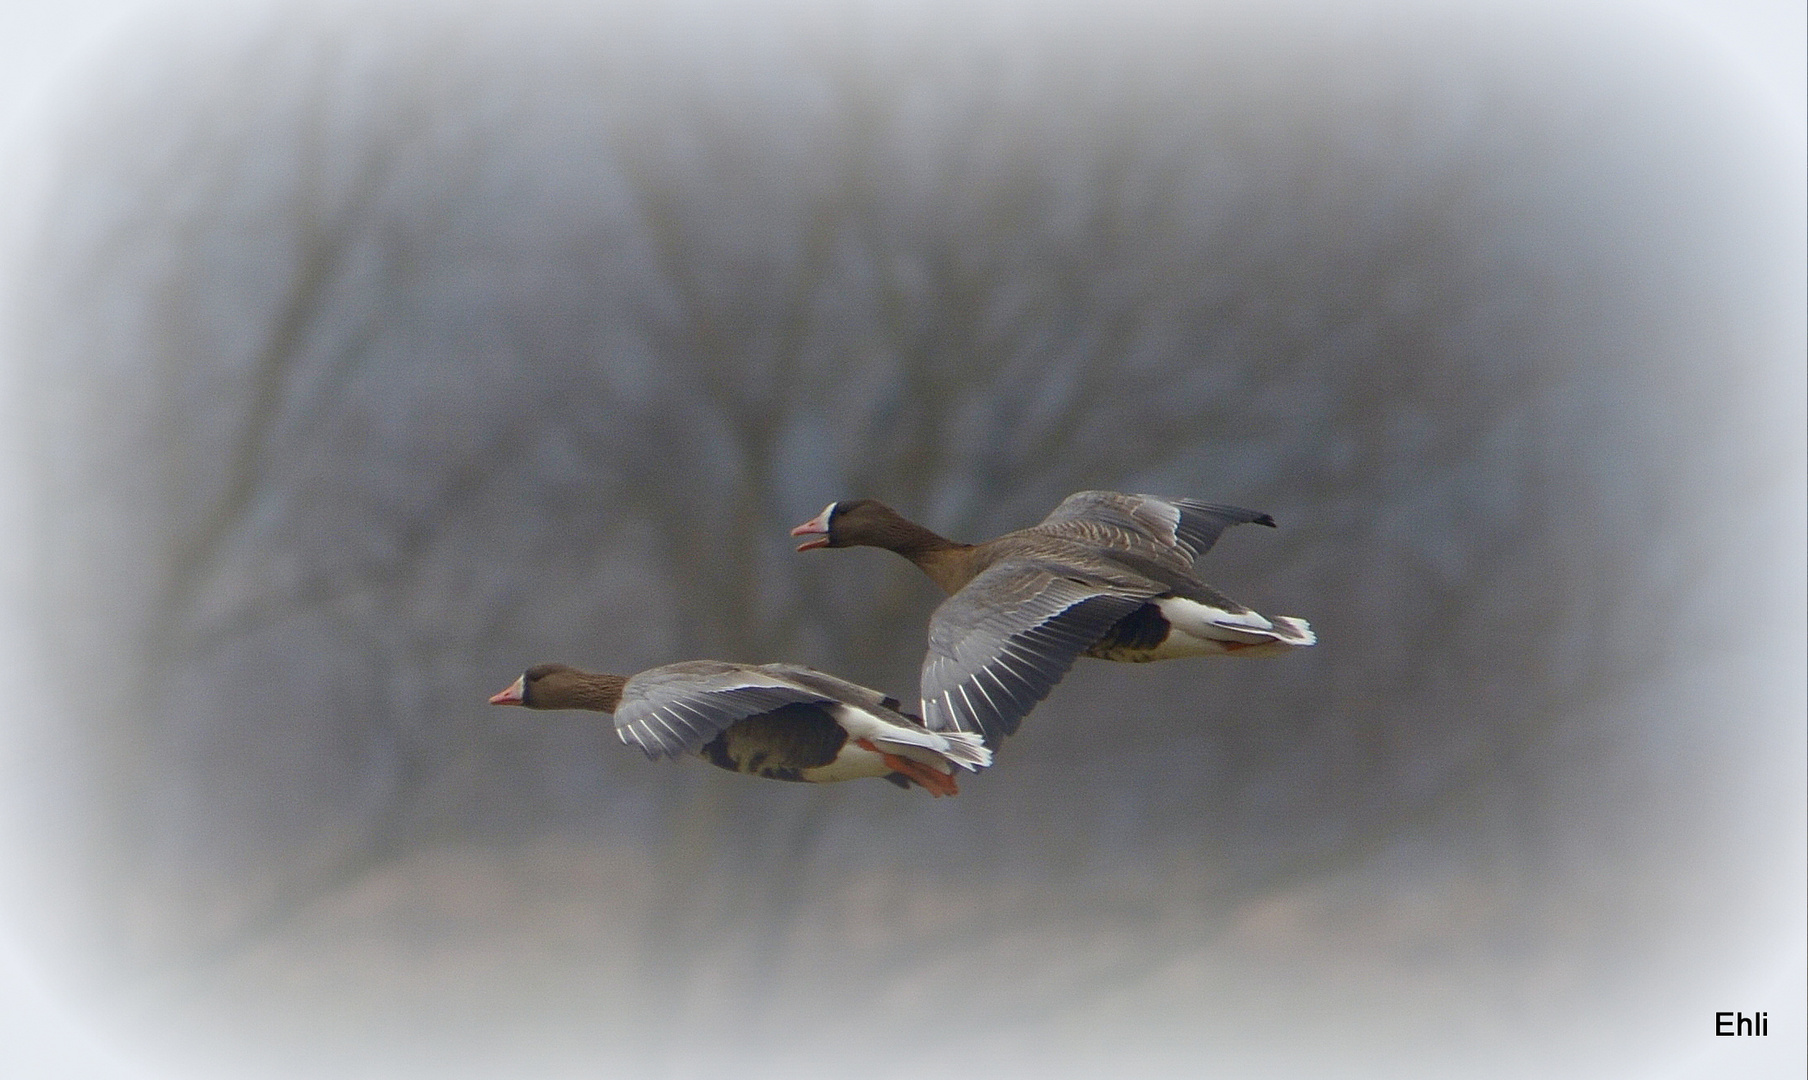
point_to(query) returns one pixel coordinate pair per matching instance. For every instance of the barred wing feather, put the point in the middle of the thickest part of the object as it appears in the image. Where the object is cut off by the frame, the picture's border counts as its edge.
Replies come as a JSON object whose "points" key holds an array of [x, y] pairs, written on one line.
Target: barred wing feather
{"points": [[677, 708], [1187, 525], [999, 645]]}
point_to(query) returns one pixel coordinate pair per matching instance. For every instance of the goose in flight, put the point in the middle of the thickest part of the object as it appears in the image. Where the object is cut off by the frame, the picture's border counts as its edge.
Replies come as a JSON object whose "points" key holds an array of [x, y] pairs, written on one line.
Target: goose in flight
{"points": [[1107, 575], [779, 721]]}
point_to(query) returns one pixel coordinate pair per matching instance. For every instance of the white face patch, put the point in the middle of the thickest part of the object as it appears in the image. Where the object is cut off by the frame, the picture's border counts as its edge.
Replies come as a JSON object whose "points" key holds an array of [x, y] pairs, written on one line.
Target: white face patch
{"points": [[817, 526]]}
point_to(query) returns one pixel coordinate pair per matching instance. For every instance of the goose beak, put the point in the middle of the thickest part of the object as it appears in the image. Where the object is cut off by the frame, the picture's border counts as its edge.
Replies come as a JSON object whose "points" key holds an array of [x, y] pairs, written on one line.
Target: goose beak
{"points": [[817, 528], [516, 694]]}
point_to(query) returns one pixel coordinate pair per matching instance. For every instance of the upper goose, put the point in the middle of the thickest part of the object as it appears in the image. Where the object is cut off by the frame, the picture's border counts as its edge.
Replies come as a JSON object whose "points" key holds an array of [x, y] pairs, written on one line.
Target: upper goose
{"points": [[779, 721], [1106, 575]]}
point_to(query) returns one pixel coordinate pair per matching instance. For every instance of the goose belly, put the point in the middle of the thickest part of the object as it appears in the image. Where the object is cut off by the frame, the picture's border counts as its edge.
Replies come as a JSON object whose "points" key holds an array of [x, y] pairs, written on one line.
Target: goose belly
{"points": [[798, 742], [855, 762], [860, 757]]}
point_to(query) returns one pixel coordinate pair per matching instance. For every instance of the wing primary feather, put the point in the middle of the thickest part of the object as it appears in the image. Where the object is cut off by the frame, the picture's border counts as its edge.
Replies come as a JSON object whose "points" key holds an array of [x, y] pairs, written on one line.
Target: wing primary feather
{"points": [[1018, 705], [984, 715], [1002, 663], [648, 740], [704, 726], [978, 716], [966, 709], [667, 724], [977, 685], [670, 715]]}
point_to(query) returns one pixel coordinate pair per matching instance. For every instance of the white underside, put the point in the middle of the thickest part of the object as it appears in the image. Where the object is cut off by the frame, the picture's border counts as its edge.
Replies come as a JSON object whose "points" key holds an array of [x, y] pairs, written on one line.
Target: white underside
{"points": [[1202, 630], [929, 748], [855, 762]]}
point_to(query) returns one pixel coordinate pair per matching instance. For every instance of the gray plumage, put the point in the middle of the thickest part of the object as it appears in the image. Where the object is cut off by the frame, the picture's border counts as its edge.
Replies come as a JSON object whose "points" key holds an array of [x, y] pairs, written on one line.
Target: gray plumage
{"points": [[779, 721], [679, 707], [1089, 579], [999, 645]]}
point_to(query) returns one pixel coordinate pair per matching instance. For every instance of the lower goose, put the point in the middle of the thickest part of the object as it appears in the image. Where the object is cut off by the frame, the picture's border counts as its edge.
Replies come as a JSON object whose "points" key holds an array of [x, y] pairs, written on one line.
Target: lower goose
{"points": [[779, 721]]}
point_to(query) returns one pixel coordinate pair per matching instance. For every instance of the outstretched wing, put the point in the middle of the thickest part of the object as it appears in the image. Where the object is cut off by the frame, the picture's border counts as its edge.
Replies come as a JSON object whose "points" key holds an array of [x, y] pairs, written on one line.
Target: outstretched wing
{"points": [[677, 708], [1113, 519], [1000, 644]]}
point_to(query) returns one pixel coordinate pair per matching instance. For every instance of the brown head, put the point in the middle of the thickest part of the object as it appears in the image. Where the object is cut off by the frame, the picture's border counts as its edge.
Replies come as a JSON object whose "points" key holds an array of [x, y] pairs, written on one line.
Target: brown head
{"points": [[867, 523], [556, 686]]}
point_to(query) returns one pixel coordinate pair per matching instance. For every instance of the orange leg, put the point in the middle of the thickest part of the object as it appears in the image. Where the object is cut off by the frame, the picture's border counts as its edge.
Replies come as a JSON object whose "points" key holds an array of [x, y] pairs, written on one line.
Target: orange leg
{"points": [[938, 783]]}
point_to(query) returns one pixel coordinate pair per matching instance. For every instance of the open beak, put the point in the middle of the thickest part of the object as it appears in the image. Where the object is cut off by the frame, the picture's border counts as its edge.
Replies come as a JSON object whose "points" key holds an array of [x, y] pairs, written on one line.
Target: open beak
{"points": [[516, 694], [817, 529]]}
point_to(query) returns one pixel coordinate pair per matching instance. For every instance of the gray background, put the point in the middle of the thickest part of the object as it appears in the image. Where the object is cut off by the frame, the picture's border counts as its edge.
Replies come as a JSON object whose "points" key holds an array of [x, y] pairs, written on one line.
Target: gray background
{"points": [[359, 356]]}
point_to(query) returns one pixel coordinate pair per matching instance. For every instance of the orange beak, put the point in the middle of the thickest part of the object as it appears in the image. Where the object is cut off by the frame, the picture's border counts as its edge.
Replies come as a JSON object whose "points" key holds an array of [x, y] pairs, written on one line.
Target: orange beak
{"points": [[516, 694]]}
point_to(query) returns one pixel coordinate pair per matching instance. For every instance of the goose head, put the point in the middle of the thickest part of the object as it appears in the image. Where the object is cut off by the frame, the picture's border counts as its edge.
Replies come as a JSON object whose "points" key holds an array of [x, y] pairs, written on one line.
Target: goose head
{"points": [[857, 523], [558, 686]]}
